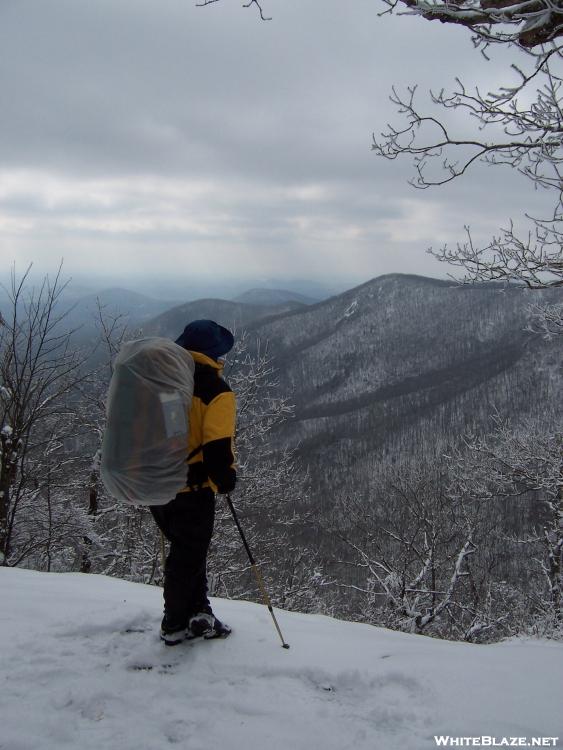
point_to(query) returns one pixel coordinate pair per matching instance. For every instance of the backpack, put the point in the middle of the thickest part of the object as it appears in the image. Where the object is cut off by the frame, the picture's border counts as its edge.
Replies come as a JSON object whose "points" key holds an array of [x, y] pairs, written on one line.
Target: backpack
{"points": [[145, 443]]}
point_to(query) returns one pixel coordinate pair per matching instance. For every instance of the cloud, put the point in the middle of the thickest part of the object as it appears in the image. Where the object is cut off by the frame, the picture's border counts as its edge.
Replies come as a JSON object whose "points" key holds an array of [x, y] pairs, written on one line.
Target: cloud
{"points": [[147, 135]]}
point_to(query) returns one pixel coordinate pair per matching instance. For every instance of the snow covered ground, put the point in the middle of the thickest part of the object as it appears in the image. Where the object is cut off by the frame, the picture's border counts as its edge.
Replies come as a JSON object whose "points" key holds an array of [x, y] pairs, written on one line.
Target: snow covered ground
{"points": [[82, 668]]}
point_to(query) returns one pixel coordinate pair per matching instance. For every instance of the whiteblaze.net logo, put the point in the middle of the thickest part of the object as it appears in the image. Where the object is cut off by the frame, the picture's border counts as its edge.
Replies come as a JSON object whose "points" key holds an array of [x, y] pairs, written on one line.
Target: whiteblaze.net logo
{"points": [[486, 741]]}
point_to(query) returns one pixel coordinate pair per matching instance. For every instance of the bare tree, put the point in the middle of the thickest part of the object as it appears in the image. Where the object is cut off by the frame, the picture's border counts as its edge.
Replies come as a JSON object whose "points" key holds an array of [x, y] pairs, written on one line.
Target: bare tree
{"points": [[524, 462], [420, 557], [270, 497], [120, 540], [112, 331], [519, 125], [39, 372]]}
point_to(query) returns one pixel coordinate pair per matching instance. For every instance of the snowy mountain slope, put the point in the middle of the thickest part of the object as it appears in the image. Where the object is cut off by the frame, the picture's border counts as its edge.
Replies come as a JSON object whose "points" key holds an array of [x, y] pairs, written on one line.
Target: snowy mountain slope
{"points": [[405, 362], [391, 330], [82, 668]]}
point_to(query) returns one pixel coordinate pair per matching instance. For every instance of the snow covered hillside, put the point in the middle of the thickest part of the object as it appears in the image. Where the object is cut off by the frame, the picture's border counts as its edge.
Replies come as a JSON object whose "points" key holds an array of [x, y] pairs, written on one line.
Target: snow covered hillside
{"points": [[82, 668]]}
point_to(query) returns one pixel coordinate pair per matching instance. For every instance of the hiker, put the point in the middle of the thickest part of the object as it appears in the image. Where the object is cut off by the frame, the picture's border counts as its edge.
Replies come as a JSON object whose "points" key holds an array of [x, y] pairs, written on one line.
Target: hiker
{"points": [[187, 520]]}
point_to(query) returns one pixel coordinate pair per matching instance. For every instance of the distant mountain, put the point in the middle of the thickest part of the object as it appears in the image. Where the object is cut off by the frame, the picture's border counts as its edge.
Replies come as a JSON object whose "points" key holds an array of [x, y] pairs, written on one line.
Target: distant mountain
{"points": [[132, 308], [190, 289], [82, 309], [263, 296], [234, 315], [403, 365], [137, 307]]}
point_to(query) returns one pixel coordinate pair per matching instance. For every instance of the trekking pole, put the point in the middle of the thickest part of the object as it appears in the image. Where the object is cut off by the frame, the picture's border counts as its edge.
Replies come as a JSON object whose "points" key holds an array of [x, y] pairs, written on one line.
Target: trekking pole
{"points": [[255, 570]]}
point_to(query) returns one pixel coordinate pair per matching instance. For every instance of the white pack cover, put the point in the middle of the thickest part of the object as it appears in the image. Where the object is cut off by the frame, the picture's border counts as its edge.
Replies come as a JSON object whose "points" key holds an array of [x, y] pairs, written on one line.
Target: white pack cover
{"points": [[145, 443]]}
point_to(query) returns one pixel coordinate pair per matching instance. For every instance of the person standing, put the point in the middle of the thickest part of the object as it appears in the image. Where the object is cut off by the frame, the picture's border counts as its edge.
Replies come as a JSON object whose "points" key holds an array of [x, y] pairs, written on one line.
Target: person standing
{"points": [[187, 520]]}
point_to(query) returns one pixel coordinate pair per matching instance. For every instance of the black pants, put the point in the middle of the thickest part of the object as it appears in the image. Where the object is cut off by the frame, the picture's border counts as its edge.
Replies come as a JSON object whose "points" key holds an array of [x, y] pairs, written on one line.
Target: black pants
{"points": [[187, 523]]}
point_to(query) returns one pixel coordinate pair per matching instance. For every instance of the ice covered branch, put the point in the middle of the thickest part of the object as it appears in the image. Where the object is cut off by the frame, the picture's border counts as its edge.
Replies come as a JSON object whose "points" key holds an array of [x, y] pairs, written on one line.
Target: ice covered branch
{"points": [[529, 23]]}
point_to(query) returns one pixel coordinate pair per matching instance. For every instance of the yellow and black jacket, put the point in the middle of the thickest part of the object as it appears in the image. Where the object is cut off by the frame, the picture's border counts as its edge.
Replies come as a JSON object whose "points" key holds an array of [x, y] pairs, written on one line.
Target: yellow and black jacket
{"points": [[211, 461]]}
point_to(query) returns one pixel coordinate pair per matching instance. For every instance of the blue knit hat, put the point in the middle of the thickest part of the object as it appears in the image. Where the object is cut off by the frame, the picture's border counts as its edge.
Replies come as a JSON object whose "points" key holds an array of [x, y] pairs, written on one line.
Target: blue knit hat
{"points": [[206, 337]]}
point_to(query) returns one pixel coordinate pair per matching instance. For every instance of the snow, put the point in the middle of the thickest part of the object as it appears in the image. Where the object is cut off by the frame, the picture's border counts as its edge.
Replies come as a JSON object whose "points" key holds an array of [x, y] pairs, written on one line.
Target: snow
{"points": [[351, 309], [83, 668], [6, 431]]}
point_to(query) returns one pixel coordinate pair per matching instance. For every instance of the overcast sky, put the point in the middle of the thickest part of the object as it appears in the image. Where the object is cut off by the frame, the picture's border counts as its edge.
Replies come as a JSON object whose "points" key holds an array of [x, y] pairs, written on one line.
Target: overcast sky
{"points": [[152, 138]]}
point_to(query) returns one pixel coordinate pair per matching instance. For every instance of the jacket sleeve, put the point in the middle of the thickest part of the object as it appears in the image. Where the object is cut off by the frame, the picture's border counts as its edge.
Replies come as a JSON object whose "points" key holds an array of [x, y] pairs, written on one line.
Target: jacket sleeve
{"points": [[218, 439]]}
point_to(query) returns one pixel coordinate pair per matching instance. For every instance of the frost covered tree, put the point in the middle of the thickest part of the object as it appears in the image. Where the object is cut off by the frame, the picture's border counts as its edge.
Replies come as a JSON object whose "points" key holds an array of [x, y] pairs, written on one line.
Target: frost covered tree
{"points": [[524, 464], [519, 125], [528, 24], [270, 498], [39, 373], [418, 557], [120, 540], [112, 331]]}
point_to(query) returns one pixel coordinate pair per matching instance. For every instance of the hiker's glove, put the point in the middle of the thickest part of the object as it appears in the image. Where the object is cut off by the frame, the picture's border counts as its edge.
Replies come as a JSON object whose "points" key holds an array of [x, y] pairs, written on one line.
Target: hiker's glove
{"points": [[227, 482]]}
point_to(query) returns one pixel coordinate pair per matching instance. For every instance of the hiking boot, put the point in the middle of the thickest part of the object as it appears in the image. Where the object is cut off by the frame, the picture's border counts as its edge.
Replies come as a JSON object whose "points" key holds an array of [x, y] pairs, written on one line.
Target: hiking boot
{"points": [[172, 634], [206, 625]]}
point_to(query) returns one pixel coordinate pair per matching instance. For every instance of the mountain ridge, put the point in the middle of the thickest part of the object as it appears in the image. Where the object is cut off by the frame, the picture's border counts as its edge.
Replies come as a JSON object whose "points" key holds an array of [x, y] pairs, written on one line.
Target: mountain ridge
{"points": [[402, 365]]}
